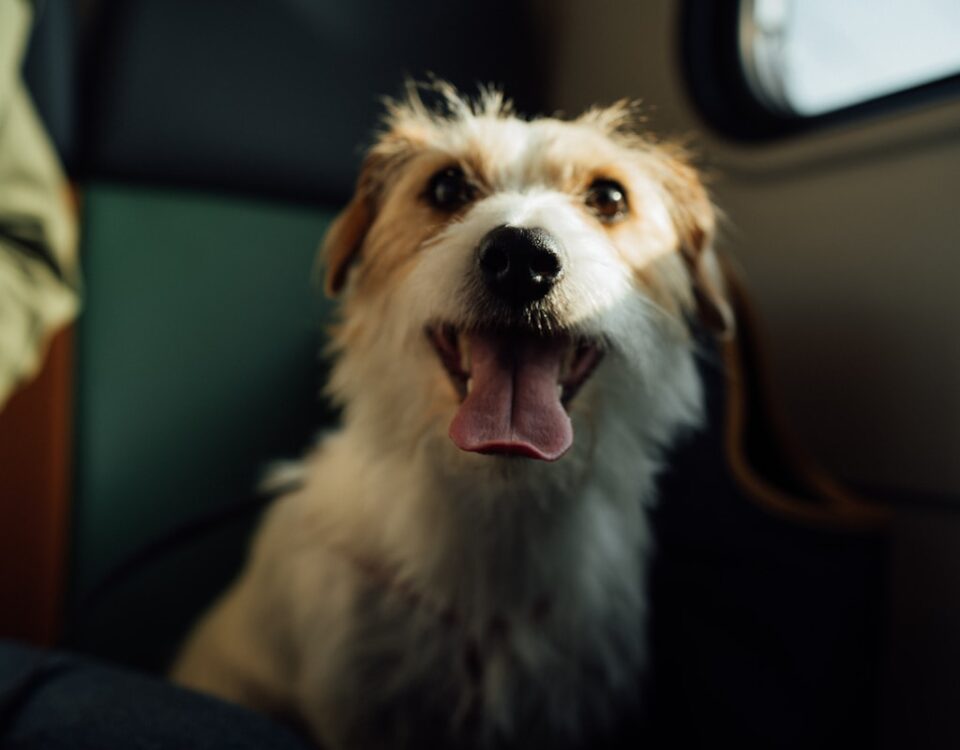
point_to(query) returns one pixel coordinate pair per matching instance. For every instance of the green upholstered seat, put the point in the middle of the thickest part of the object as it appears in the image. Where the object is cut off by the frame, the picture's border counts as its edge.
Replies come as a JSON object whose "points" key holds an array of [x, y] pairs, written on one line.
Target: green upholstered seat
{"points": [[198, 364]]}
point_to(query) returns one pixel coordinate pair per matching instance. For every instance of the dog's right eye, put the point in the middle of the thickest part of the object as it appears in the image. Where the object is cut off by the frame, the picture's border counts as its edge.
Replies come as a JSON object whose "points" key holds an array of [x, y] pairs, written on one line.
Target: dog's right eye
{"points": [[608, 200], [449, 189]]}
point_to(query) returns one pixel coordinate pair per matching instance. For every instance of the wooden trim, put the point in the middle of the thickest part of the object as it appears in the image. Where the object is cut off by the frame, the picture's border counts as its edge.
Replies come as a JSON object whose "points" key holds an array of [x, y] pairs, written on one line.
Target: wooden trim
{"points": [[830, 503], [35, 451]]}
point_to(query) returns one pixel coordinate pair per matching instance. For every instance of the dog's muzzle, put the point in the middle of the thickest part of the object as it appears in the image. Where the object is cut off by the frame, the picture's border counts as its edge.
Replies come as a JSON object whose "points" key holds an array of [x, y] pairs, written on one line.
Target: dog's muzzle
{"points": [[519, 265], [517, 372]]}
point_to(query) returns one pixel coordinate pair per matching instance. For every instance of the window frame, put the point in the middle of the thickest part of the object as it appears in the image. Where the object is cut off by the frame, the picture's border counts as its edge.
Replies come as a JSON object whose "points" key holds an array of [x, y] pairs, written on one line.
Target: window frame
{"points": [[717, 81]]}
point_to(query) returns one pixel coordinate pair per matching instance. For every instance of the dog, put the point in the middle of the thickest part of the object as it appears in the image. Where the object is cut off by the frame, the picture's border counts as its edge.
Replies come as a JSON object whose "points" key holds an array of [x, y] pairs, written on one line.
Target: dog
{"points": [[462, 563]]}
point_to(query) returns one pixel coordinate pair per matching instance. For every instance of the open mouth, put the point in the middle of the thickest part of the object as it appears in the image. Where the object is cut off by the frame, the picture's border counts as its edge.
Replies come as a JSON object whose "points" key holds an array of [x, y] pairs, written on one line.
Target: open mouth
{"points": [[515, 388]]}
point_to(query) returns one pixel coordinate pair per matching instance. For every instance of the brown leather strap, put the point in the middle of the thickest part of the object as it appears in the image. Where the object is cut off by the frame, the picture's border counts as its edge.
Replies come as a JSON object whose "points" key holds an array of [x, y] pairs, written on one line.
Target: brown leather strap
{"points": [[35, 429]]}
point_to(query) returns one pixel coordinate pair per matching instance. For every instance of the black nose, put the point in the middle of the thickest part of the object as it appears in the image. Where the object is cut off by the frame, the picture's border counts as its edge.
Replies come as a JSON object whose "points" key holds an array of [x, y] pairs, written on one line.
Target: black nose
{"points": [[519, 265]]}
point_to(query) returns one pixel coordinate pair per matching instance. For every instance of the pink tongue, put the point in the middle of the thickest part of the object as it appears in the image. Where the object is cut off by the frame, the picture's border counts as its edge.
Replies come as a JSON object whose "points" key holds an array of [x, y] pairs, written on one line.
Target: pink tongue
{"points": [[514, 405]]}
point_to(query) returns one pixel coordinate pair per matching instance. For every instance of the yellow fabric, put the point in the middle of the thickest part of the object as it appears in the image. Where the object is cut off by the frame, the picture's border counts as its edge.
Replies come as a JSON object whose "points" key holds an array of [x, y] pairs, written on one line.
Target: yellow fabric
{"points": [[35, 300]]}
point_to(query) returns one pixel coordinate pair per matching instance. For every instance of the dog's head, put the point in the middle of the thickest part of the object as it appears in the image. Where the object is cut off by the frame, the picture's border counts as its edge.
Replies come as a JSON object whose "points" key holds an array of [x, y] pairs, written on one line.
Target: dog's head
{"points": [[493, 268]]}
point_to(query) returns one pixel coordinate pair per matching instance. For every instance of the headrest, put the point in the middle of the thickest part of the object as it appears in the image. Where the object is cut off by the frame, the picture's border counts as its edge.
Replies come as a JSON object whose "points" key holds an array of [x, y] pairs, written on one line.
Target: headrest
{"points": [[278, 97]]}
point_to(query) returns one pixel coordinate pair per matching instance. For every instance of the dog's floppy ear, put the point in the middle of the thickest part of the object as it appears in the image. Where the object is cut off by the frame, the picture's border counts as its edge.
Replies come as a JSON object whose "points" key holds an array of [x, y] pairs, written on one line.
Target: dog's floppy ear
{"points": [[709, 285], [345, 238], [341, 246], [695, 219]]}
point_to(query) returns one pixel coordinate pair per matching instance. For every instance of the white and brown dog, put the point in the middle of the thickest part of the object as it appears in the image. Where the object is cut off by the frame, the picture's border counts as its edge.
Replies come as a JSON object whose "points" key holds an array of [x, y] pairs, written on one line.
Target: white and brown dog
{"points": [[463, 562]]}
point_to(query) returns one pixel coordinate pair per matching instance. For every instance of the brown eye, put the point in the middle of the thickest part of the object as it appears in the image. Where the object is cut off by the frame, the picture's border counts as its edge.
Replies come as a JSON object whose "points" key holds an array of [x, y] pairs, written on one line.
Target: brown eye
{"points": [[608, 200], [449, 189]]}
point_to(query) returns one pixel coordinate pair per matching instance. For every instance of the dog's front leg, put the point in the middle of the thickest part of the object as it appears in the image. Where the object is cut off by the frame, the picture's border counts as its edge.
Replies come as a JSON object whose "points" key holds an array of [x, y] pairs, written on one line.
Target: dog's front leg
{"points": [[234, 651]]}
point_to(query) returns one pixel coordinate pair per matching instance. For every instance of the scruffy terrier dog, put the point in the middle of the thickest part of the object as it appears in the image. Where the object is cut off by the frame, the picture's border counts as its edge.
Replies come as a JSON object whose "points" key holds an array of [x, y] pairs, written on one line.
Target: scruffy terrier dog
{"points": [[462, 562]]}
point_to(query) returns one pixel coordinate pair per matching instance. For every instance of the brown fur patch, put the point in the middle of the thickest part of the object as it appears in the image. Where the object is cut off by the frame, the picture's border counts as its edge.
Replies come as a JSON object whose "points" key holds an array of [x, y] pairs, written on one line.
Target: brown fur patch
{"points": [[404, 222]]}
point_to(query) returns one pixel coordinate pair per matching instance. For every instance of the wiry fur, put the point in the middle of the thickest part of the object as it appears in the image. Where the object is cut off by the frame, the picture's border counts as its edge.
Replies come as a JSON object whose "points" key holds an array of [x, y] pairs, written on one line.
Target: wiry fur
{"points": [[408, 594]]}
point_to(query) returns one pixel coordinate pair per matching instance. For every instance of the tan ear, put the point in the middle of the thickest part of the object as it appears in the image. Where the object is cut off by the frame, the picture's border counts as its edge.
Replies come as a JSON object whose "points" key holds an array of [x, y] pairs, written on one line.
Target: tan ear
{"points": [[341, 246], [695, 219], [709, 286], [344, 241]]}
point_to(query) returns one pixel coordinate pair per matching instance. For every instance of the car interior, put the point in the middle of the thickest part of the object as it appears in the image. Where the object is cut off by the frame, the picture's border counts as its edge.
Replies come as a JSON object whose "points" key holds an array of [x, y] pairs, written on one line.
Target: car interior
{"points": [[804, 588]]}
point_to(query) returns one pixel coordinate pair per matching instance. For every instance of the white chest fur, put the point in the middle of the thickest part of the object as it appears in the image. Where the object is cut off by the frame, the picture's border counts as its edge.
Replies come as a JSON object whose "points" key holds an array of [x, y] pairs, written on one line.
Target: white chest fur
{"points": [[428, 597], [466, 609]]}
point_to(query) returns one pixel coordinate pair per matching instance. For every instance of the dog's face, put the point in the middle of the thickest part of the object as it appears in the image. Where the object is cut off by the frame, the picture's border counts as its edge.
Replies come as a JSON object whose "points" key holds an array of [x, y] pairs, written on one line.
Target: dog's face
{"points": [[493, 268]]}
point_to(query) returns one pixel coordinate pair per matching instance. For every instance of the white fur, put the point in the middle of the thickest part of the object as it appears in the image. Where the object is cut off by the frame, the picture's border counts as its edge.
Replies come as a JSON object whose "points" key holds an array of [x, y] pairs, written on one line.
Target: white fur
{"points": [[372, 587]]}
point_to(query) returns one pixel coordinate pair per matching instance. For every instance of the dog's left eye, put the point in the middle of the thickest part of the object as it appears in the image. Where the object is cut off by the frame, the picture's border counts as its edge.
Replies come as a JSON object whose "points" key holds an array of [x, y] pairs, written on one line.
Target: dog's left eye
{"points": [[449, 189], [607, 199]]}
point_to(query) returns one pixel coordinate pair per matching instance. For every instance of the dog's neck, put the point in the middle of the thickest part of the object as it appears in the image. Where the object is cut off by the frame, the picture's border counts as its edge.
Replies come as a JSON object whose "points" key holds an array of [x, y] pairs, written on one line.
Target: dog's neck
{"points": [[485, 532], [490, 534]]}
